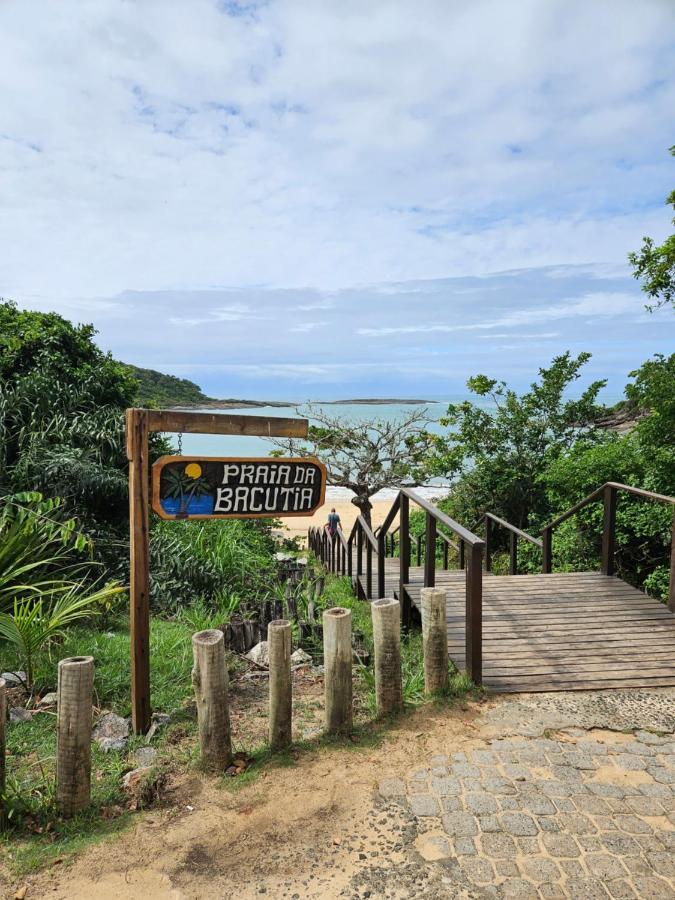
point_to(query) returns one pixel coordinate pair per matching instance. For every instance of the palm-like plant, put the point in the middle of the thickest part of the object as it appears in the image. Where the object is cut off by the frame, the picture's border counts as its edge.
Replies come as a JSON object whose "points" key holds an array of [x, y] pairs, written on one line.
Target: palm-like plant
{"points": [[37, 621]]}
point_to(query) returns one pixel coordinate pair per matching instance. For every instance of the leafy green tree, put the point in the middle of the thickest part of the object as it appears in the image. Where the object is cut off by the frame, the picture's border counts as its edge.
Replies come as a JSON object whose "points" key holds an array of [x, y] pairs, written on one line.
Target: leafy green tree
{"points": [[498, 454], [655, 265], [367, 457]]}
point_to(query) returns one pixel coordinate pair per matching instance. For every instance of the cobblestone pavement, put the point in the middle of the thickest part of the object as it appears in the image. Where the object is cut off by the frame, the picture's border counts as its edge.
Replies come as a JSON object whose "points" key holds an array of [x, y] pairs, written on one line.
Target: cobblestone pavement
{"points": [[560, 812]]}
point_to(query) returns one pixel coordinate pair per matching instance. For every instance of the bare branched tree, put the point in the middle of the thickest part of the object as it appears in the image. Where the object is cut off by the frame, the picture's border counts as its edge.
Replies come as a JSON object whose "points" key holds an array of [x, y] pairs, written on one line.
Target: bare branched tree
{"points": [[366, 456]]}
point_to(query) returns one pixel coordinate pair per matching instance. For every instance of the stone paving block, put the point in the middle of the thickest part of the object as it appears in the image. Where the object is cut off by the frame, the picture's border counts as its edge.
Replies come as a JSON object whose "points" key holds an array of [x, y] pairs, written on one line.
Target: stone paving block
{"points": [[477, 870], [533, 758], [451, 804], [639, 747], [509, 803], [604, 866], [419, 775], [649, 843], [606, 790], [590, 843], [540, 806], [548, 823], [505, 868], [518, 823], [439, 771], [540, 870], [565, 804], [621, 844], [418, 787], [474, 785], [629, 762], [439, 760], [528, 846], [667, 839], [489, 824], [632, 825], [424, 805], [653, 887], [550, 891], [460, 756], [573, 869], [662, 774], [517, 772], [620, 889], [605, 823], [499, 786], [662, 863], [499, 846], [481, 803], [465, 770], [582, 761], [576, 823], [391, 787], [556, 757], [591, 804], [561, 845], [556, 789], [637, 865], [586, 888], [460, 823], [591, 747], [464, 846], [519, 889], [648, 737], [661, 791], [444, 787], [482, 757]]}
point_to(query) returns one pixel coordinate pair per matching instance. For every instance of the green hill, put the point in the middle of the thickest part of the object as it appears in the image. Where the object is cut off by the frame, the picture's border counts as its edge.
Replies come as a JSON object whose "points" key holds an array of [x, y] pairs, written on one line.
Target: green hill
{"points": [[160, 390]]}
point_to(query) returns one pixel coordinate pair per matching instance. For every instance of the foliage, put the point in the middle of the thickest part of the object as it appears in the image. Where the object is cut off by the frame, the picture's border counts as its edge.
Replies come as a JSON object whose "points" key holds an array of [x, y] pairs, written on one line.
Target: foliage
{"points": [[653, 390], [499, 456], [655, 265], [35, 623], [156, 389], [210, 560], [367, 457]]}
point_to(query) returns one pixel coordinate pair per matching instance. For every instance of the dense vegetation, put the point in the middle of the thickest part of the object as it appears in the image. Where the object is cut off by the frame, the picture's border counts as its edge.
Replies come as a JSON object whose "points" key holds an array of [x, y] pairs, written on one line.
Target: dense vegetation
{"points": [[155, 389]]}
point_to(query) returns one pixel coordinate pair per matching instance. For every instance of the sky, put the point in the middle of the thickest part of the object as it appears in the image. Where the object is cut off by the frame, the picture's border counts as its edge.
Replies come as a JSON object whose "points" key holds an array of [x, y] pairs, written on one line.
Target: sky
{"points": [[293, 199]]}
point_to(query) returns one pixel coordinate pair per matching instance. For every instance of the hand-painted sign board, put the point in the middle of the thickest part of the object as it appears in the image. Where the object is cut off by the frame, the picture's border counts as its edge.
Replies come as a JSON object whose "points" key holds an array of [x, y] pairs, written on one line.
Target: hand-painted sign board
{"points": [[193, 487]]}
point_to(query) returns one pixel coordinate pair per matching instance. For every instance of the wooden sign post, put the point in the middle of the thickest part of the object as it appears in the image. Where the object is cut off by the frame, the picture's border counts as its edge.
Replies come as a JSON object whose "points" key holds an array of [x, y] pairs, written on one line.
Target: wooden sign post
{"points": [[139, 424]]}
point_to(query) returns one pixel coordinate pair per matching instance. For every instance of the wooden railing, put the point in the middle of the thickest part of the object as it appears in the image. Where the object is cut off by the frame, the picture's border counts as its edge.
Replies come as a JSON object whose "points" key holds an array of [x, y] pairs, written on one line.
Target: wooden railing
{"points": [[363, 542]]}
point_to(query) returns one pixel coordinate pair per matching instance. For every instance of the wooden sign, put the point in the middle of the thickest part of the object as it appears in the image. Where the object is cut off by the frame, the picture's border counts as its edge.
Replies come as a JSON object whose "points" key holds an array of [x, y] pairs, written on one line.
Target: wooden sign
{"points": [[194, 487]]}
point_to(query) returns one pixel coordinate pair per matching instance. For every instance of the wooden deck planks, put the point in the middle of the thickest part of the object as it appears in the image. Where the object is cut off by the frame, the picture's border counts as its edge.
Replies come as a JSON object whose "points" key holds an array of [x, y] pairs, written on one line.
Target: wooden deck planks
{"points": [[571, 631]]}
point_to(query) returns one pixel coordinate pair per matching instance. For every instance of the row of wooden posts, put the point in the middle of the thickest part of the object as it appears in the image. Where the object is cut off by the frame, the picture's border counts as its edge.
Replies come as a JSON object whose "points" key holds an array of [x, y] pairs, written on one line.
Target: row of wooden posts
{"points": [[210, 683]]}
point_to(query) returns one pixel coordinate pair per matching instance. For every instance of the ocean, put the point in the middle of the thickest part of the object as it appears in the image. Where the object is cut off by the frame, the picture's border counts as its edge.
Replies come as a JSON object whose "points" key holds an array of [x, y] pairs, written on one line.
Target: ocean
{"points": [[235, 445]]}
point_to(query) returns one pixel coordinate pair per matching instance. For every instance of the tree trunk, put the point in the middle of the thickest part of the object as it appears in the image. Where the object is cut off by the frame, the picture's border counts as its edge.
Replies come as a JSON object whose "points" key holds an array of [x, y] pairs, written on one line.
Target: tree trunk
{"points": [[362, 502]]}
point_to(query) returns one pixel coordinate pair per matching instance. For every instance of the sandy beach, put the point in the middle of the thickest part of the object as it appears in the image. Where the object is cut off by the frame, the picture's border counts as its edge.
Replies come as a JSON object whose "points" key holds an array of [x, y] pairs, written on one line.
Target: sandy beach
{"points": [[344, 508]]}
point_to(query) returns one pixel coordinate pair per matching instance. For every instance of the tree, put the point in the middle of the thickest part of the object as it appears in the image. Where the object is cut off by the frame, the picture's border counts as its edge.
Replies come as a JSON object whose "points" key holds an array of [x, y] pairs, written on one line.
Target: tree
{"points": [[367, 456], [498, 455], [655, 265]]}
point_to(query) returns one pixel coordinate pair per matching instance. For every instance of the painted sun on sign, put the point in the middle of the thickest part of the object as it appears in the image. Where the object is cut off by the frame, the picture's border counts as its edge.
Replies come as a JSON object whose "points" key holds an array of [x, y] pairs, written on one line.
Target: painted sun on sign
{"points": [[186, 487]]}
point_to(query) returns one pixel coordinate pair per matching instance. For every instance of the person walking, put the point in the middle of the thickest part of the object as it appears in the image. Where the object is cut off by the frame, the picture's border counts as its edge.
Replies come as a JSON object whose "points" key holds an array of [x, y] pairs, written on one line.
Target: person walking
{"points": [[333, 523]]}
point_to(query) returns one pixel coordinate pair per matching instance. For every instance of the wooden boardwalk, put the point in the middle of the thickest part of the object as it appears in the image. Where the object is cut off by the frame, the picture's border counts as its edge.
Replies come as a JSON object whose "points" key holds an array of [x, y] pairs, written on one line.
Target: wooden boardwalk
{"points": [[562, 631]]}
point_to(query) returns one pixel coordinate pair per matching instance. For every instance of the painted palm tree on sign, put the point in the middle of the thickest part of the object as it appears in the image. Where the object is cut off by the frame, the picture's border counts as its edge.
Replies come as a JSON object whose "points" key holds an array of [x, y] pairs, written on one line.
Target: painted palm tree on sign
{"points": [[185, 484]]}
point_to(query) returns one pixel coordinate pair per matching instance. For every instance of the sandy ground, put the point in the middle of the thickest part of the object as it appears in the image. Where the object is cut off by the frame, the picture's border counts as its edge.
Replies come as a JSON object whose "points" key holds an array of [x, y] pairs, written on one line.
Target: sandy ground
{"points": [[344, 508]]}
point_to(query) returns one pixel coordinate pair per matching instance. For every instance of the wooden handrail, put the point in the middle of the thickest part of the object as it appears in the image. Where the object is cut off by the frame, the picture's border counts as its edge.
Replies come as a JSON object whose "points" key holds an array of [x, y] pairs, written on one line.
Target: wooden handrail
{"points": [[615, 485], [512, 528], [467, 536], [365, 528]]}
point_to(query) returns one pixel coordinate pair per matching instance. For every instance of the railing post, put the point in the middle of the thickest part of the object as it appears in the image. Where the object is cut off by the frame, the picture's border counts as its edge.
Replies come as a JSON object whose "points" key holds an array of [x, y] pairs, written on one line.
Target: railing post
{"points": [[546, 552], [671, 589], [381, 553], [369, 571], [513, 553], [404, 560], [474, 615], [488, 544], [445, 555], [430, 555], [462, 553], [392, 544], [350, 551], [608, 529], [359, 551], [419, 549]]}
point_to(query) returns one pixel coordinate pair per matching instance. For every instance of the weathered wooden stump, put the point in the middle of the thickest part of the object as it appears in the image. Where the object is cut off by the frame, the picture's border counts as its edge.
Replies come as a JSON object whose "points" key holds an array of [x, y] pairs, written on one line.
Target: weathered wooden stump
{"points": [[281, 699], [337, 658], [434, 640], [210, 684], [387, 644], [73, 734]]}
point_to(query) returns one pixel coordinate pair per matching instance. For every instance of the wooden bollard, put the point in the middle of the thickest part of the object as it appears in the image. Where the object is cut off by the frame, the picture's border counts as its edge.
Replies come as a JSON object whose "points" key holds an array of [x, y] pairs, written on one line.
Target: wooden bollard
{"points": [[337, 660], [73, 733], [387, 644], [3, 719], [281, 699], [434, 640], [210, 684]]}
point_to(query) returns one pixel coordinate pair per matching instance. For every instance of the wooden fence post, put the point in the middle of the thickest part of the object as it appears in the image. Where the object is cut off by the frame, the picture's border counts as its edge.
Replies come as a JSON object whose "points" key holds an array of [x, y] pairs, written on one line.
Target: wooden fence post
{"points": [[404, 560], [671, 588], [608, 530], [513, 553], [337, 660], [281, 699], [73, 734], [387, 644], [3, 757], [381, 553], [488, 544], [434, 639], [430, 555], [474, 615], [210, 684], [546, 551]]}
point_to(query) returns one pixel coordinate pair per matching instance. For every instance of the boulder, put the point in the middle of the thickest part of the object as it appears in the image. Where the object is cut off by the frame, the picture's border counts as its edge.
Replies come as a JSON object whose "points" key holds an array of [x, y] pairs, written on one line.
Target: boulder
{"points": [[18, 714], [259, 654], [145, 757], [111, 732], [300, 658], [48, 700], [14, 679]]}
